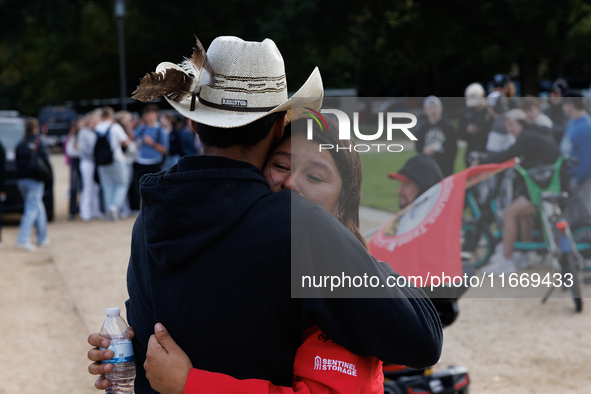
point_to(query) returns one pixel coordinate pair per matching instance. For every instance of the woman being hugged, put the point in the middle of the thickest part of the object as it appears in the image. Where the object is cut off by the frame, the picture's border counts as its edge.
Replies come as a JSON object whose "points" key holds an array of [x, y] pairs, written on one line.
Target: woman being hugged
{"points": [[331, 179]]}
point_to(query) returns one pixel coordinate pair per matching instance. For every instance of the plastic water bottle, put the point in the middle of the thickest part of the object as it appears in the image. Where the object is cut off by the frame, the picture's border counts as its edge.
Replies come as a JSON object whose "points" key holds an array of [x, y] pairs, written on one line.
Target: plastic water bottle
{"points": [[122, 376]]}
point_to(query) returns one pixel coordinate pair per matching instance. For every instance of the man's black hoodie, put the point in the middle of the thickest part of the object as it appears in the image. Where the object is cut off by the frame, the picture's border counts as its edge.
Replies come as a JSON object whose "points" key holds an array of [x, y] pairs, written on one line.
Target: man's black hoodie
{"points": [[210, 259]]}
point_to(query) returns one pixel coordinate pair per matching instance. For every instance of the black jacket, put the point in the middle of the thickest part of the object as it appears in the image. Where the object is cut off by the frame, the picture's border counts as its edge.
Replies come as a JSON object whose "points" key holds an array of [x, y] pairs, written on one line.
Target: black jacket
{"points": [[533, 147], [210, 259], [441, 134], [559, 121], [23, 156], [480, 118]]}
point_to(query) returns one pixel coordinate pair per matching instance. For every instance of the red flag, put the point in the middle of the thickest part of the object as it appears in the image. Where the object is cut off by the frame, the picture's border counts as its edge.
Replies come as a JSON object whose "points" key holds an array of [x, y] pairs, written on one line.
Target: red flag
{"points": [[424, 239]]}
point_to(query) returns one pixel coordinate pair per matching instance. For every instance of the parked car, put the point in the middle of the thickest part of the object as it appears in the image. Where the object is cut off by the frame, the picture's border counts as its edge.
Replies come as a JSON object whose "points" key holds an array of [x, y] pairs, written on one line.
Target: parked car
{"points": [[12, 131], [55, 123]]}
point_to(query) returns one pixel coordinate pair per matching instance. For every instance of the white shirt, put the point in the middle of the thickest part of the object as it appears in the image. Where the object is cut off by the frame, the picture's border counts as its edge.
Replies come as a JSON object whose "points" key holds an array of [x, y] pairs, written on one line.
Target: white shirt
{"points": [[498, 142], [543, 120], [72, 147], [86, 141], [116, 136]]}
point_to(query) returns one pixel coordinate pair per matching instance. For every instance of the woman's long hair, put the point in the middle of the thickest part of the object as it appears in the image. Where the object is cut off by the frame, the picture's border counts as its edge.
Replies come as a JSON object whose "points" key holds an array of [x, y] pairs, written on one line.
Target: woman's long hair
{"points": [[30, 125], [348, 163]]}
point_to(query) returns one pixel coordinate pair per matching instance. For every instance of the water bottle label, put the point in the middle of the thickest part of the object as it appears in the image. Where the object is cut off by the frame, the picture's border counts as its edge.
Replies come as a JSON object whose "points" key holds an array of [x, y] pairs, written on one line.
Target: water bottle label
{"points": [[123, 352]]}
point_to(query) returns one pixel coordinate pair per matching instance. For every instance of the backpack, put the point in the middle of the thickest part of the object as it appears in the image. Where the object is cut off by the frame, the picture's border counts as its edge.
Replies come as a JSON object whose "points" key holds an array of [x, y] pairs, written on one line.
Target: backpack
{"points": [[103, 154], [37, 168]]}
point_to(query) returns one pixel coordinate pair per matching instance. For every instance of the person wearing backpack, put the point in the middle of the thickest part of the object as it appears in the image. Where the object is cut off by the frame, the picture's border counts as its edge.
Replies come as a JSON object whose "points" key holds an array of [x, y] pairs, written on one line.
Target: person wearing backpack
{"points": [[110, 162], [153, 143], [33, 169]]}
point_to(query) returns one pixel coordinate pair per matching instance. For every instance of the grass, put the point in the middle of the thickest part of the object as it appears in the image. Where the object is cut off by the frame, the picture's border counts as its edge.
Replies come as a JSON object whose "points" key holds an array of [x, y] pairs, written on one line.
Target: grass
{"points": [[377, 190]]}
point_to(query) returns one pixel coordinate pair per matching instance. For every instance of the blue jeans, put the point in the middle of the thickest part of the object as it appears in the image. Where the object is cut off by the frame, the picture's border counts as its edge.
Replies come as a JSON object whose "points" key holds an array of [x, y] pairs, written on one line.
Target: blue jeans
{"points": [[34, 215], [115, 183]]}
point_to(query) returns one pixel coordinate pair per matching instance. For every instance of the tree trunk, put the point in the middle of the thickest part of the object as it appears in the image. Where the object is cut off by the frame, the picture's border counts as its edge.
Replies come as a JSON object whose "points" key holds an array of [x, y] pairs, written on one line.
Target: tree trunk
{"points": [[528, 68]]}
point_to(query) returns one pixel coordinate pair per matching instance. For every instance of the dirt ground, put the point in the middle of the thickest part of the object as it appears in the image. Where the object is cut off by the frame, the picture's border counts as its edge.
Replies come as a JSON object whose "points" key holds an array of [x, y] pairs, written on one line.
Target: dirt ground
{"points": [[50, 300]]}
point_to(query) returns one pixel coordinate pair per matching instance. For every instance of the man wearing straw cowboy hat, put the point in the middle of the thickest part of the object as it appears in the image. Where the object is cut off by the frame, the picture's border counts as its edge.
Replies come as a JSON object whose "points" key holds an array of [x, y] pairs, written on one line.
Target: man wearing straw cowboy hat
{"points": [[210, 255]]}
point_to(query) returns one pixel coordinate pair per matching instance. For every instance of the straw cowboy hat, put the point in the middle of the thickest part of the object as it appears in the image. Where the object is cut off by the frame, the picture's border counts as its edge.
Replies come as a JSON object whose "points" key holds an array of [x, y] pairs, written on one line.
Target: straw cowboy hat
{"points": [[235, 83]]}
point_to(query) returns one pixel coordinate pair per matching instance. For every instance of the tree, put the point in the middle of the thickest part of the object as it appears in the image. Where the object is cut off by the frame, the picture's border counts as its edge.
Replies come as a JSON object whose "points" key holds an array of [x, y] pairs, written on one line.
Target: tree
{"points": [[53, 52]]}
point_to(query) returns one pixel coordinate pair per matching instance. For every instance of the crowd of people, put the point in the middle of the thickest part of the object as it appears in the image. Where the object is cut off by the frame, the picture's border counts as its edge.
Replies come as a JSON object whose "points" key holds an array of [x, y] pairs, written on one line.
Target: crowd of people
{"points": [[134, 147], [498, 127], [107, 153], [497, 123]]}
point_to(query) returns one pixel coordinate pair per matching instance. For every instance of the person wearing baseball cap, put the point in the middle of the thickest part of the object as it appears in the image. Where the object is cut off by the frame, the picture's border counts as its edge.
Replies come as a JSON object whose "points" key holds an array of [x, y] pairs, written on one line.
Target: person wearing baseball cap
{"points": [[475, 120], [418, 175], [437, 137], [502, 87], [559, 88], [498, 88], [500, 80], [554, 108]]}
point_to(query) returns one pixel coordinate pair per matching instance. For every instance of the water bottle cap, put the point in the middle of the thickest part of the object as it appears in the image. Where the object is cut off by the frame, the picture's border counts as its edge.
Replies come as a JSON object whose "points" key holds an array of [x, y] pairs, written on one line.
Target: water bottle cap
{"points": [[113, 311]]}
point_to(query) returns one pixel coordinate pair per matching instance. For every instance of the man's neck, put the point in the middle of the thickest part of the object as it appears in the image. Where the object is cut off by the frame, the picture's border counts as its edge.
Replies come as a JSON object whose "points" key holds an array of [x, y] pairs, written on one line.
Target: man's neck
{"points": [[255, 156]]}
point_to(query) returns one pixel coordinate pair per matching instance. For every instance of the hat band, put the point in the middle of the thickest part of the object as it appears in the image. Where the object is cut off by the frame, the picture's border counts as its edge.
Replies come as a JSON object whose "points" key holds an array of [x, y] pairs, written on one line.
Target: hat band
{"points": [[233, 107]]}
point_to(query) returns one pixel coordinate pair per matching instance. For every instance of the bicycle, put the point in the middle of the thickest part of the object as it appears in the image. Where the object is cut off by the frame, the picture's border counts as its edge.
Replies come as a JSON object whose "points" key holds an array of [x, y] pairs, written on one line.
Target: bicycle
{"points": [[555, 236], [477, 239]]}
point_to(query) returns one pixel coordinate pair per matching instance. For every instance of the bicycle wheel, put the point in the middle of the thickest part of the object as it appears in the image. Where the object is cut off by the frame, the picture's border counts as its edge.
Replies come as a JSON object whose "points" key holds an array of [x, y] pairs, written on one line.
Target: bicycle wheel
{"points": [[478, 241], [569, 266]]}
